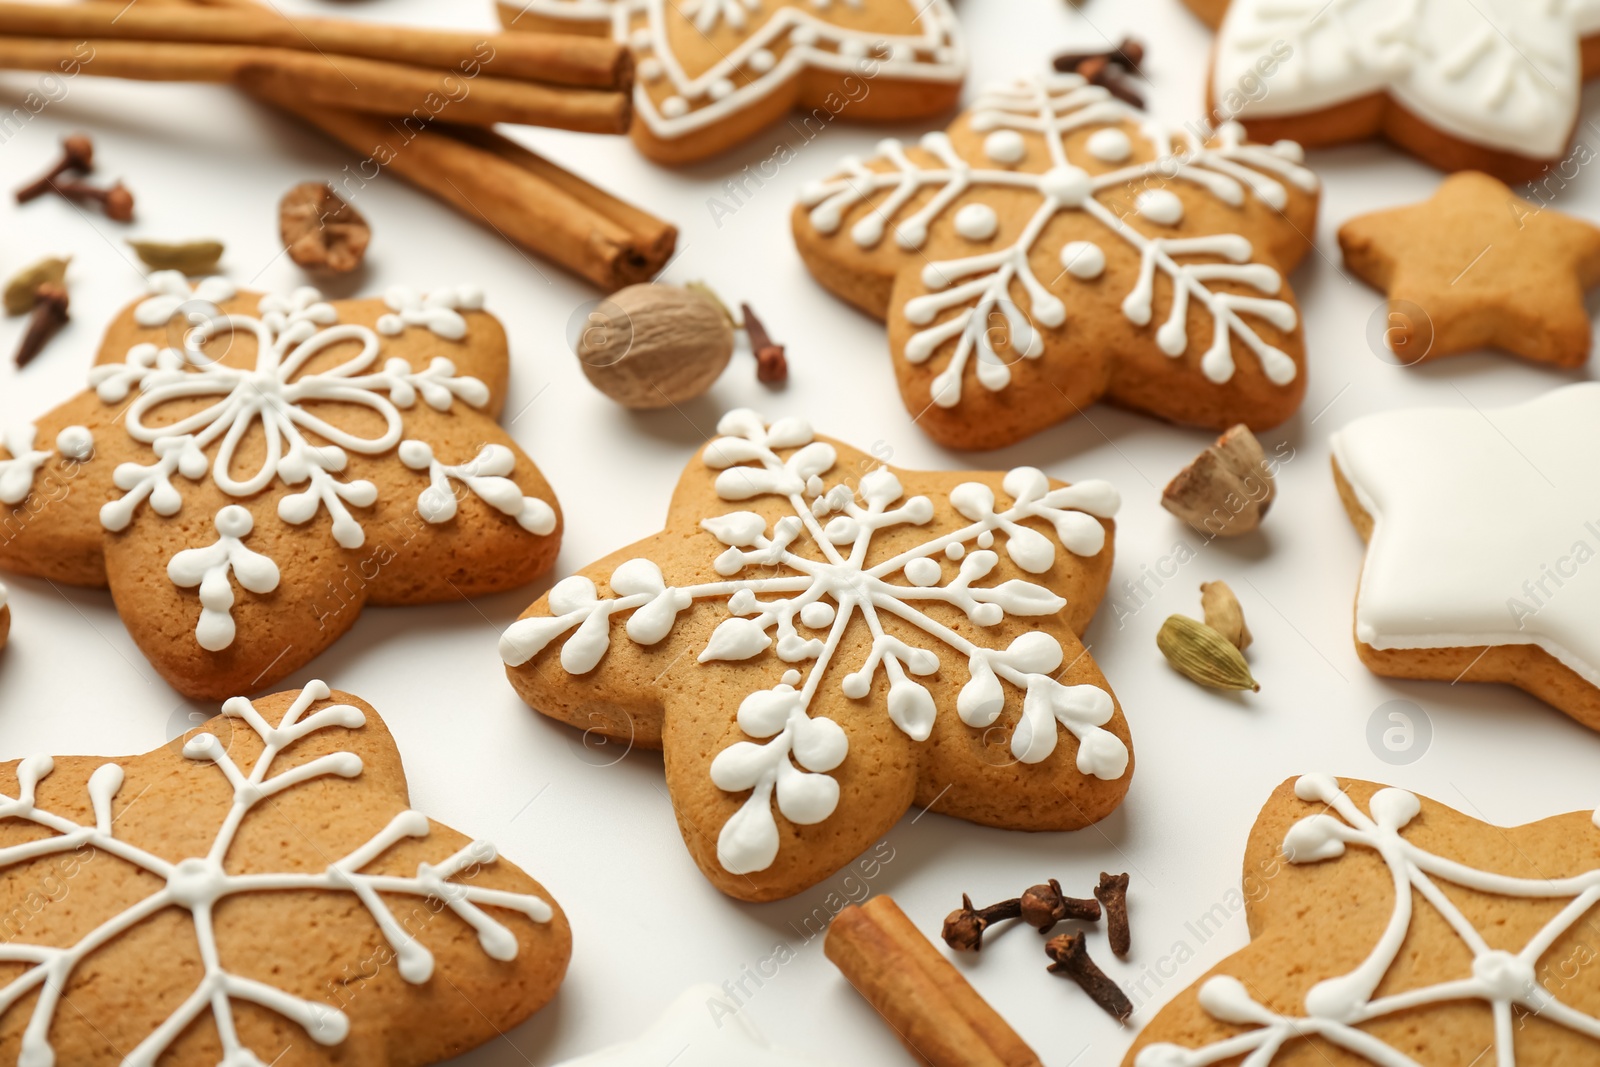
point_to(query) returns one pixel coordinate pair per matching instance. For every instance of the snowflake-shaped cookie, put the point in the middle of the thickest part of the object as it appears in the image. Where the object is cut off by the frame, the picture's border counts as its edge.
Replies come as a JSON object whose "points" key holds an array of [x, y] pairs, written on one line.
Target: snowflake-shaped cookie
{"points": [[258, 889], [818, 642], [712, 73], [1491, 85], [1057, 246], [314, 456], [1393, 931]]}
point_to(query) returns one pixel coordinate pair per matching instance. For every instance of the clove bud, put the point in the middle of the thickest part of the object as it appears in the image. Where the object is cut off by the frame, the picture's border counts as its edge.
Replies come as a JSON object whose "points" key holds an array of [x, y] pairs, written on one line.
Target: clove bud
{"points": [[772, 367], [1113, 893], [1045, 905], [49, 315], [77, 154], [1128, 54], [116, 202], [1072, 960], [964, 927]]}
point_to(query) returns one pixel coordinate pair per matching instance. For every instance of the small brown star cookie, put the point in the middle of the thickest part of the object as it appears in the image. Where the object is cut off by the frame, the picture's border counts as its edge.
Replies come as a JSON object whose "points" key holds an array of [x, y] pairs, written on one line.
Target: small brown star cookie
{"points": [[1476, 265]]}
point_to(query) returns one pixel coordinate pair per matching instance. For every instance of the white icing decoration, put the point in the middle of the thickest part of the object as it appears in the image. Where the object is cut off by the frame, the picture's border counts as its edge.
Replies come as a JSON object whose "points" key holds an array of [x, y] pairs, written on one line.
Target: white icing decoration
{"points": [[1084, 260], [170, 292], [1442, 569], [977, 222], [76, 443], [198, 884], [1505, 74], [210, 567], [650, 69], [835, 526], [485, 477], [702, 1028], [980, 287], [777, 41], [1160, 206], [1005, 146], [17, 474], [286, 404], [1507, 983], [1110, 145]]}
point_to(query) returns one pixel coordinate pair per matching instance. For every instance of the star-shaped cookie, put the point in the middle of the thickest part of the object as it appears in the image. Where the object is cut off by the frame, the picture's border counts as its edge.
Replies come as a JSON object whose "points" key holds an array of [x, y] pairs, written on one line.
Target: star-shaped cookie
{"points": [[1390, 930], [1482, 532], [246, 472], [713, 73], [818, 642], [702, 1027], [257, 892], [1490, 85], [1477, 265], [1057, 246]]}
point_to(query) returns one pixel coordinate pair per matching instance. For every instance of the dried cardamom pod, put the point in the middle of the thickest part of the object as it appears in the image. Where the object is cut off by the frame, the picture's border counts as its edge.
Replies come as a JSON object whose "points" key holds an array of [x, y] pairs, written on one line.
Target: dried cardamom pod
{"points": [[190, 257], [1223, 613], [1202, 655], [24, 285]]}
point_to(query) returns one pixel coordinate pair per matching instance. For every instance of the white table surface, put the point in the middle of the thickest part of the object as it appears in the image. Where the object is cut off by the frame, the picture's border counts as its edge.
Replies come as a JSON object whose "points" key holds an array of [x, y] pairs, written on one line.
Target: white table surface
{"points": [[598, 830]]}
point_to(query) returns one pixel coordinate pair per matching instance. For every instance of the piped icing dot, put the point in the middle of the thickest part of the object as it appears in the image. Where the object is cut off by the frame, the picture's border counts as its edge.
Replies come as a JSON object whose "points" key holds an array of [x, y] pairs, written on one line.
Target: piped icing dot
{"points": [[923, 572], [640, 40], [1068, 185], [1110, 145], [853, 48], [803, 35], [977, 222], [1083, 260], [1005, 146], [650, 69], [674, 107], [1160, 206], [721, 89], [762, 60], [75, 443]]}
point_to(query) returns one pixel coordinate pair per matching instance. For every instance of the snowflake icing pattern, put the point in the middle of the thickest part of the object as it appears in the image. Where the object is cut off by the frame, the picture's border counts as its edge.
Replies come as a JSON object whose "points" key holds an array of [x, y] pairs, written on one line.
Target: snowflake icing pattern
{"points": [[198, 883], [980, 285], [1336, 1007], [793, 751], [290, 332]]}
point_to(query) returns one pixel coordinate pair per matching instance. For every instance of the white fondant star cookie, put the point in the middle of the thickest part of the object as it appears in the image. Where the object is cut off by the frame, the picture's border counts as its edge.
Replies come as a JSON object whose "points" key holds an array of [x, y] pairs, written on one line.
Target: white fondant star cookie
{"points": [[703, 1027], [1483, 530]]}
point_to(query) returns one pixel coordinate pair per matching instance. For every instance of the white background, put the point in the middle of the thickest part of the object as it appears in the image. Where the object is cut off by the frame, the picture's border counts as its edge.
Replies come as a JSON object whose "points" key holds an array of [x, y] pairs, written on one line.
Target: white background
{"points": [[206, 163]]}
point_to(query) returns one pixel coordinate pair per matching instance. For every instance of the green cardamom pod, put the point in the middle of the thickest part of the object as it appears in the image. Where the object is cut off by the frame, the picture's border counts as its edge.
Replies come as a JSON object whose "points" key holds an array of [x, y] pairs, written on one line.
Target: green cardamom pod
{"points": [[190, 257], [24, 284], [1202, 655]]}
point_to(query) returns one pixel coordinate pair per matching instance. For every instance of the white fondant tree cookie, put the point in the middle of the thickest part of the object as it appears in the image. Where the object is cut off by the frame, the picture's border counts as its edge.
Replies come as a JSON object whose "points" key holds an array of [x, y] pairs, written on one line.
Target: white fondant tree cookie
{"points": [[713, 73], [246, 472], [1482, 533], [257, 892], [819, 642], [1393, 931], [1491, 85], [1057, 246]]}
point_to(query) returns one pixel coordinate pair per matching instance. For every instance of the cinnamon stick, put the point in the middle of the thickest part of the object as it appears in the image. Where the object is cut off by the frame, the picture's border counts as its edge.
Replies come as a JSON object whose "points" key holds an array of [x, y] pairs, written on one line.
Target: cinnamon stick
{"points": [[339, 81], [937, 1014], [586, 62], [525, 198]]}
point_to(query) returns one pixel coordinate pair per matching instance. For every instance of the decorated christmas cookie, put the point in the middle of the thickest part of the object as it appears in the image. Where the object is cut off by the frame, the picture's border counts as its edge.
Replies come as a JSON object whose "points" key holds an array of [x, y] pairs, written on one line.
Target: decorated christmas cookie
{"points": [[1481, 539], [1477, 265], [257, 892], [713, 73], [702, 1027], [246, 472], [1057, 246], [819, 642], [5, 615], [1397, 932], [1490, 85]]}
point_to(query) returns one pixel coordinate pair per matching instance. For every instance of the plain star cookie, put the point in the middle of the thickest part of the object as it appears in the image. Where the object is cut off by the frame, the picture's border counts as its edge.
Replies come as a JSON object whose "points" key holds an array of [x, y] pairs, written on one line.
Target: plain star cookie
{"points": [[713, 73], [1481, 532], [257, 892], [1490, 85], [702, 1028], [246, 472], [1394, 931], [818, 642], [1477, 265], [1057, 246]]}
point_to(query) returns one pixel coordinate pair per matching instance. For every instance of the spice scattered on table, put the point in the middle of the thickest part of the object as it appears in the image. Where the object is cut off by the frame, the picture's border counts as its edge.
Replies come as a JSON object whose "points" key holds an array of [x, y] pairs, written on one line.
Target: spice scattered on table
{"points": [[1045, 905], [772, 368], [655, 345], [49, 315], [320, 229], [23, 286], [1223, 613], [1203, 655], [1113, 893], [1228, 488], [187, 257], [1071, 960], [77, 156]]}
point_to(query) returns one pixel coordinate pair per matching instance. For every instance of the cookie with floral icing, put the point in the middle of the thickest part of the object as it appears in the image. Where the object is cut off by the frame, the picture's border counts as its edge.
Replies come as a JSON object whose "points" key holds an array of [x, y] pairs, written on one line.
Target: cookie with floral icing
{"points": [[1056, 247], [714, 73], [1459, 591], [818, 642], [1490, 85], [257, 892], [246, 472], [1388, 929]]}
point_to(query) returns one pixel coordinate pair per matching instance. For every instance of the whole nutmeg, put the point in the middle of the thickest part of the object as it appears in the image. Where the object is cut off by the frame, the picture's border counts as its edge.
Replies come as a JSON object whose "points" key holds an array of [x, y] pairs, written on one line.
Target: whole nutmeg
{"points": [[654, 345]]}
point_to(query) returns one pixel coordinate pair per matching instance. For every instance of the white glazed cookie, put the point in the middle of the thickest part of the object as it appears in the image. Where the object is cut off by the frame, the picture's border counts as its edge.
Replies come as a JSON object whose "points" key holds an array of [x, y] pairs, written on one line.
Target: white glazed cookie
{"points": [[819, 642], [1492, 85], [246, 472], [1482, 533], [701, 1027], [712, 73]]}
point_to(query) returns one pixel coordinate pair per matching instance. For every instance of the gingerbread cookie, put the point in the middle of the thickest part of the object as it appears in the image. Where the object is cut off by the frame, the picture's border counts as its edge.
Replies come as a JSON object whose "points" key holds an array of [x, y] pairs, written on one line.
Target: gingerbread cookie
{"points": [[258, 892], [714, 73], [818, 642], [1394, 931], [5, 615], [1490, 85], [1480, 529], [247, 472], [1477, 265], [1057, 246]]}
